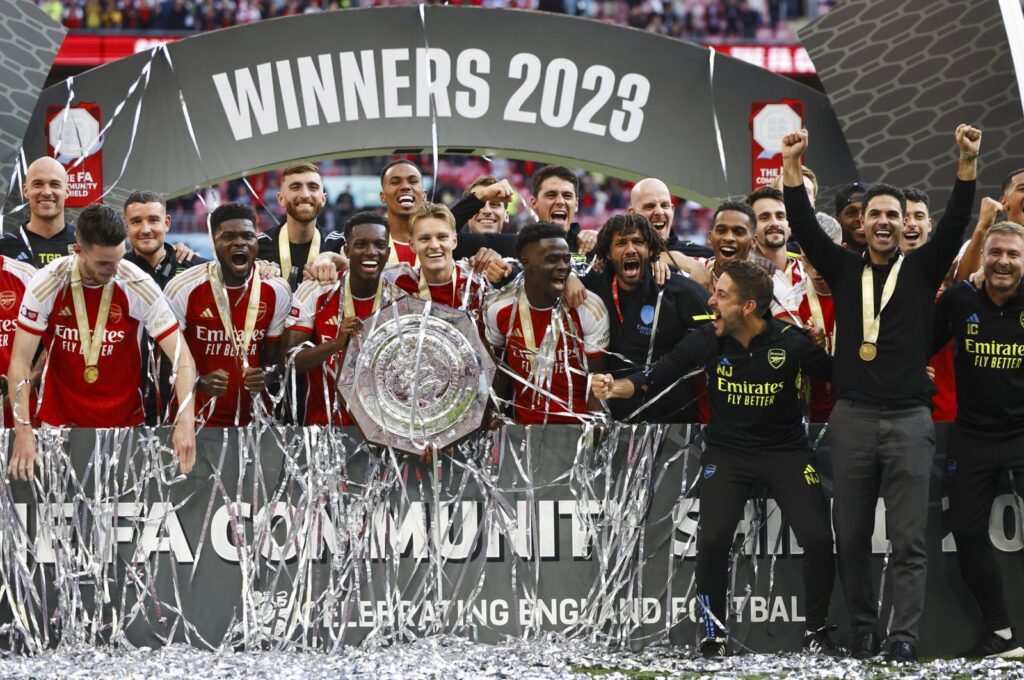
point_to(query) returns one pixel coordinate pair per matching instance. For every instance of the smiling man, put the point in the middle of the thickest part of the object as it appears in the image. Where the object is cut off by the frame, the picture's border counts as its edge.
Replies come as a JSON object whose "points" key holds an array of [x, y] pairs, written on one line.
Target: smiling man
{"points": [[650, 197], [325, 316], [232, 320], [771, 234], [1012, 197], [917, 223], [300, 239], [732, 233], [555, 197], [646, 320], [401, 192], [754, 366], [883, 439], [986, 443], [89, 309], [145, 215], [547, 347], [438, 277], [45, 237]]}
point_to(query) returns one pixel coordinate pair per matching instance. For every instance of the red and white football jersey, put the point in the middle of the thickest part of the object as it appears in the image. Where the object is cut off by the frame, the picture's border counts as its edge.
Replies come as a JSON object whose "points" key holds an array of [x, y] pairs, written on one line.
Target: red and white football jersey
{"points": [[191, 299], [451, 293], [821, 390], [14, 277], [404, 252], [787, 290], [48, 310], [505, 334], [315, 311]]}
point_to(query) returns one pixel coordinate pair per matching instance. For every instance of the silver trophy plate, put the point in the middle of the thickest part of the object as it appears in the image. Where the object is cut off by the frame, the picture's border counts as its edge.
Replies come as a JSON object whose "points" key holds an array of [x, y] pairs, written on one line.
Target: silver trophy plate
{"points": [[416, 376]]}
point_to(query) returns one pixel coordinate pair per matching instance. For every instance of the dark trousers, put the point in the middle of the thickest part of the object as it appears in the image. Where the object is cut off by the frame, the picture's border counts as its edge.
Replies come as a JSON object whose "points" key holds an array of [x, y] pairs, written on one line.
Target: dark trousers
{"points": [[727, 478], [974, 467], [887, 452]]}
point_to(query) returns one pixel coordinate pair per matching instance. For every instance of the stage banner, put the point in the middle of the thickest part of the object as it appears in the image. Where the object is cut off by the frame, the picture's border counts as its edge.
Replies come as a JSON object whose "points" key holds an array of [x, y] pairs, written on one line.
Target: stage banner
{"points": [[312, 539], [769, 123], [73, 138], [394, 80]]}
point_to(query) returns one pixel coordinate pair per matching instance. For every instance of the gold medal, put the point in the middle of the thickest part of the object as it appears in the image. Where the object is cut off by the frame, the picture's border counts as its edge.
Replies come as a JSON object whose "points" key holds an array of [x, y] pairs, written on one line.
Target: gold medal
{"points": [[872, 323], [90, 340]]}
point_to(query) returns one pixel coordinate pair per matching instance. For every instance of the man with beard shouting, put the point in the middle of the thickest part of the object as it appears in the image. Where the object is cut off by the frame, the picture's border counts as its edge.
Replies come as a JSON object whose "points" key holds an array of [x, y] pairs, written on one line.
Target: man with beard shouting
{"points": [[646, 320]]}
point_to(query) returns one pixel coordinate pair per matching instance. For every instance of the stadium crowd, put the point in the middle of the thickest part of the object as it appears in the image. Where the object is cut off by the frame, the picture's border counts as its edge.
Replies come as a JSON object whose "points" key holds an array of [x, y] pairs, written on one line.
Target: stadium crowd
{"points": [[690, 19]]}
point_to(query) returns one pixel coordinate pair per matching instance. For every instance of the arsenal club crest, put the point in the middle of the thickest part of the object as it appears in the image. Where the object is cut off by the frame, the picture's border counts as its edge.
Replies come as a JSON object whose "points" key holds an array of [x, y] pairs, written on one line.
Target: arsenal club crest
{"points": [[261, 311], [115, 314], [776, 357], [8, 299]]}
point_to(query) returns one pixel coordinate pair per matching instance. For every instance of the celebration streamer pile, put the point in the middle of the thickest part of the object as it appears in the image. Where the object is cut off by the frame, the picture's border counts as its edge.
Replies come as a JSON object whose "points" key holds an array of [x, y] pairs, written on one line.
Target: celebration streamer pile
{"points": [[309, 538], [286, 543]]}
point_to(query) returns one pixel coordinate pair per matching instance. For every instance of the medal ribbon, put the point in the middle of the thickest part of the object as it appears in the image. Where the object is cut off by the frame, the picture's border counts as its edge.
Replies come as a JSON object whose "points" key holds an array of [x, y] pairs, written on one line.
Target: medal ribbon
{"points": [[284, 251], [529, 339], [348, 307], [872, 323], [819, 317], [425, 287], [90, 342], [615, 298], [220, 299]]}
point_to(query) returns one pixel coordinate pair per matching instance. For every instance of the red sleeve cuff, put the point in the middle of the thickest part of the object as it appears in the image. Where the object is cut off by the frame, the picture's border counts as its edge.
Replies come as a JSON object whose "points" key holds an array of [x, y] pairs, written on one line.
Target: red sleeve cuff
{"points": [[33, 331], [167, 332]]}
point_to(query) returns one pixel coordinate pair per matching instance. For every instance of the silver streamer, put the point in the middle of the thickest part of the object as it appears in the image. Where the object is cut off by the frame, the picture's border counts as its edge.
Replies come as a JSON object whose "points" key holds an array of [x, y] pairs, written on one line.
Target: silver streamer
{"points": [[327, 542], [290, 541]]}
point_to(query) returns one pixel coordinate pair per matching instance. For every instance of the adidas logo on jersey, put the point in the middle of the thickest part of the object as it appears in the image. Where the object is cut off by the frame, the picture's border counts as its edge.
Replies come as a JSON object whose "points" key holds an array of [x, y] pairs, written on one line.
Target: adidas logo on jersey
{"points": [[206, 314], [331, 321], [64, 311]]}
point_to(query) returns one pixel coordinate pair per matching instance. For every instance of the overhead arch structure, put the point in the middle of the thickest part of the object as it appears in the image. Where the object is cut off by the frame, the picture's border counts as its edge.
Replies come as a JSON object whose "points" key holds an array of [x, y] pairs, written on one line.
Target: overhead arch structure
{"points": [[903, 74], [462, 80], [29, 41]]}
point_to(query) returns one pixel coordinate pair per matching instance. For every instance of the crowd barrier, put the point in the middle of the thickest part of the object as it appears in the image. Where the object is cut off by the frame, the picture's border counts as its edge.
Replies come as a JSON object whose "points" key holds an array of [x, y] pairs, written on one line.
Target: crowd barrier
{"points": [[306, 538]]}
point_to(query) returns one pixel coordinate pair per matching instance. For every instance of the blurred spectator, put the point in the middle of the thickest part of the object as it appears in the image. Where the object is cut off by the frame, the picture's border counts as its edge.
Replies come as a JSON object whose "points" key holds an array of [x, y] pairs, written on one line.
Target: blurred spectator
{"points": [[54, 9], [111, 17], [93, 14]]}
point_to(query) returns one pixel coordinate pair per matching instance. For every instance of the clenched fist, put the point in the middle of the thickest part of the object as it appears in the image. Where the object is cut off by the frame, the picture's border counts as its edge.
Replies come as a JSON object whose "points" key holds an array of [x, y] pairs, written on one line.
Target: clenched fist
{"points": [[794, 144], [968, 139]]}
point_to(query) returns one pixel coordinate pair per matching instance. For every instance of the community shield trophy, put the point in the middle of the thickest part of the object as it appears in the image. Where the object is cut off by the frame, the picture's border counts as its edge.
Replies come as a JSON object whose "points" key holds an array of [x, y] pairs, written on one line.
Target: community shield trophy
{"points": [[417, 374]]}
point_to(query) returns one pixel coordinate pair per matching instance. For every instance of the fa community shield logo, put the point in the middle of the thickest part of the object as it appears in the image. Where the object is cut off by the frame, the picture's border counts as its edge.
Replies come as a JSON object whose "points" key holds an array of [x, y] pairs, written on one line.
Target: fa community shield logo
{"points": [[776, 357]]}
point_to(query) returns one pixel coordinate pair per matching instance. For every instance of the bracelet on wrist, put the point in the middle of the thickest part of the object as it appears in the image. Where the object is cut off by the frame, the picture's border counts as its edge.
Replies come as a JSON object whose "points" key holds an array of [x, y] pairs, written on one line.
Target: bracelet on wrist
{"points": [[968, 156]]}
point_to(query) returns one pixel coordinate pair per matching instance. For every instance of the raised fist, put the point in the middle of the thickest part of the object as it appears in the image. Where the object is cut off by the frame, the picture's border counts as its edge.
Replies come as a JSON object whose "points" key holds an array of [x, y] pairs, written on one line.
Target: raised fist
{"points": [[794, 144], [968, 139], [499, 191], [988, 210]]}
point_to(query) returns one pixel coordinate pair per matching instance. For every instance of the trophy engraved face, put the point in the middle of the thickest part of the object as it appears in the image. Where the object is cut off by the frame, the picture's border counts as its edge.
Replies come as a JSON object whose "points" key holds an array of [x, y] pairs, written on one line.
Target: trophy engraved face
{"points": [[411, 380]]}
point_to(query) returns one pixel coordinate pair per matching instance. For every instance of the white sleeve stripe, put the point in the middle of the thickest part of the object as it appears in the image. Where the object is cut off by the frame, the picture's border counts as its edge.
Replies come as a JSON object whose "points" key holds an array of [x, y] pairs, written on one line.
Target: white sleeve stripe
{"points": [[189, 278]]}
